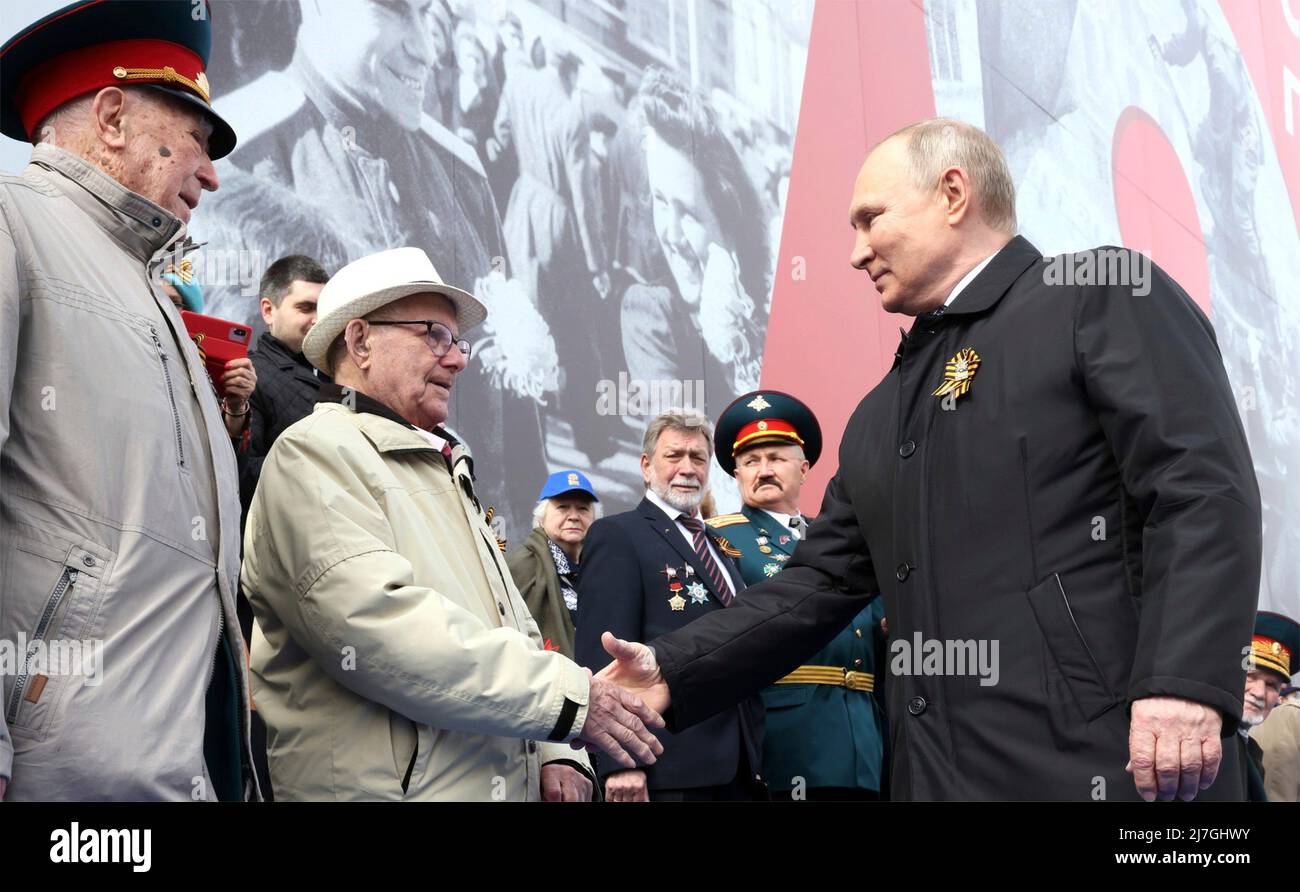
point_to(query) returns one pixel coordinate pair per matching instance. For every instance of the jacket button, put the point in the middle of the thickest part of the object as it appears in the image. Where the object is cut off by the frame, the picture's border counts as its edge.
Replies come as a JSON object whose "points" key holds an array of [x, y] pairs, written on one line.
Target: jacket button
{"points": [[857, 632], [907, 448], [532, 747], [88, 560], [916, 705], [857, 662], [903, 571], [501, 607], [157, 221]]}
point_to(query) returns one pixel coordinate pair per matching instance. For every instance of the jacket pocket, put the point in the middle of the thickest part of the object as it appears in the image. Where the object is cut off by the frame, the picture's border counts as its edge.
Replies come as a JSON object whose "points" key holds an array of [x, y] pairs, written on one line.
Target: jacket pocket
{"points": [[1073, 657], [58, 650], [786, 696], [405, 737]]}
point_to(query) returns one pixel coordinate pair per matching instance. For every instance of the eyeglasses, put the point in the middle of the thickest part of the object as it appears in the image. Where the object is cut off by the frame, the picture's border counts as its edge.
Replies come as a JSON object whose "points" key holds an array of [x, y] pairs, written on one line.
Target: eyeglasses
{"points": [[438, 336]]}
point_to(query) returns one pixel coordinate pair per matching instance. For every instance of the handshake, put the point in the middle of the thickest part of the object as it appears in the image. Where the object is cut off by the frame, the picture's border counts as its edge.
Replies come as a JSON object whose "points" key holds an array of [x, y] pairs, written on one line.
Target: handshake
{"points": [[626, 700]]}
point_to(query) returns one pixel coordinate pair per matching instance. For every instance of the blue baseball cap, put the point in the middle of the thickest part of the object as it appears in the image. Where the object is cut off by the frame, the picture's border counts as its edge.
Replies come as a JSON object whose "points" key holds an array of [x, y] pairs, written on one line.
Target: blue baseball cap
{"points": [[566, 481]]}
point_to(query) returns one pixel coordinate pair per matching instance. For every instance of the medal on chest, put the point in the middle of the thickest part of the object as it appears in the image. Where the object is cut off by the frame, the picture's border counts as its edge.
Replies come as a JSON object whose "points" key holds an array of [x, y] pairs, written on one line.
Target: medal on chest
{"points": [[958, 373], [675, 599]]}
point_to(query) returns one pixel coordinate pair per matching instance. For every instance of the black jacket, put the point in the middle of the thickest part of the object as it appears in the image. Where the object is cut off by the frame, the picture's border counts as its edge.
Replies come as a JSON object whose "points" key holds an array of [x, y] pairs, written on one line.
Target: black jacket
{"points": [[285, 393], [624, 589], [1089, 505]]}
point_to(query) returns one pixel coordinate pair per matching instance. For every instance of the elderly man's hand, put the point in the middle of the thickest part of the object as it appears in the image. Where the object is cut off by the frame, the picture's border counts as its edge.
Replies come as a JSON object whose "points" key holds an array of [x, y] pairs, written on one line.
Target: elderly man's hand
{"points": [[564, 783], [617, 724], [1174, 747]]}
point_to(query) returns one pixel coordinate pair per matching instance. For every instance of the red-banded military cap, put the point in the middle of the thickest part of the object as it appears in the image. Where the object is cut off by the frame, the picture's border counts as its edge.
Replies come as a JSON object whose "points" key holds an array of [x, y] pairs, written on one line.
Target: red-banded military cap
{"points": [[1275, 643], [92, 44], [764, 418]]}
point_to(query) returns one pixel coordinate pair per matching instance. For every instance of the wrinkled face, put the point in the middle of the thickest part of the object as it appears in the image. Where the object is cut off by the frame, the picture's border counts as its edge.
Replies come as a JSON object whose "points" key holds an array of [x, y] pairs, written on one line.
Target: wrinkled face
{"points": [[678, 472], [901, 235], [290, 322], [568, 517], [772, 477], [1263, 689], [684, 222], [165, 158], [404, 374], [379, 54]]}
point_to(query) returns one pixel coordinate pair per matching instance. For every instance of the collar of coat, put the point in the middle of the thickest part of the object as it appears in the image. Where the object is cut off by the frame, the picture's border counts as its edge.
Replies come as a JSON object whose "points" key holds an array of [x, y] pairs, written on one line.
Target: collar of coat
{"points": [[986, 289], [136, 223], [274, 349], [384, 438]]}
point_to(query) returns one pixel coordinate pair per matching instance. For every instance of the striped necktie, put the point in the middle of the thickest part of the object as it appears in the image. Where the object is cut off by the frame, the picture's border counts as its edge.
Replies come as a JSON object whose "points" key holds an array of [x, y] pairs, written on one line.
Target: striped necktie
{"points": [[717, 575]]}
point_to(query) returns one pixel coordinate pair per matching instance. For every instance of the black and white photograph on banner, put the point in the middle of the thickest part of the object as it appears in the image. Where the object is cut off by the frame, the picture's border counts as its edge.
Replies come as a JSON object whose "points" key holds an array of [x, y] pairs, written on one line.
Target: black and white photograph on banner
{"points": [[606, 177]]}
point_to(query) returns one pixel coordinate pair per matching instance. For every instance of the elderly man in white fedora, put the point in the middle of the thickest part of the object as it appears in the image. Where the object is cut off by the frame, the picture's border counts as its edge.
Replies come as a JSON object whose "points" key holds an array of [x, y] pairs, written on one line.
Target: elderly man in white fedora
{"points": [[393, 656]]}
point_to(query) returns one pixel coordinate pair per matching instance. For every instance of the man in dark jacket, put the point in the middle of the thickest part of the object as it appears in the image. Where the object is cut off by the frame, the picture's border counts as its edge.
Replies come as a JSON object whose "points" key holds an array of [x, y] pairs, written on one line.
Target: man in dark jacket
{"points": [[287, 383], [652, 570], [1054, 471], [286, 393]]}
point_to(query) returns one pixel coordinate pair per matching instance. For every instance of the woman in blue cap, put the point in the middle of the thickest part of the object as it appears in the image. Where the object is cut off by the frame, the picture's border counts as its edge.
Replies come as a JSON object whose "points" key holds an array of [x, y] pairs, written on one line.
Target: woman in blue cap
{"points": [[545, 566]]}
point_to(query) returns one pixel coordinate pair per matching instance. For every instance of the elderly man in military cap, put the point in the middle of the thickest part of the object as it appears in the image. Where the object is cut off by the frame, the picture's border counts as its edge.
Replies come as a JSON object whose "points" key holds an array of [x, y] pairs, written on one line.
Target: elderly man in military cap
{"points": [[825, 728], [119, 535], [1273, 765]]}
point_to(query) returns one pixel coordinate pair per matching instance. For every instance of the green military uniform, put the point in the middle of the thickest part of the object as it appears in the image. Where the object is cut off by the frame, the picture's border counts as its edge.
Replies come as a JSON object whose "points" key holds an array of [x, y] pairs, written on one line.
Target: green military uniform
{"points": [[824, 720]]}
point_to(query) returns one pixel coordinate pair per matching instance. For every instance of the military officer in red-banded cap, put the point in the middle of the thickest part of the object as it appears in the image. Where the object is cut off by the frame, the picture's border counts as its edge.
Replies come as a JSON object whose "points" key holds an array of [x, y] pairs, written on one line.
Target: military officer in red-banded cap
{"points": [[119, 499]]}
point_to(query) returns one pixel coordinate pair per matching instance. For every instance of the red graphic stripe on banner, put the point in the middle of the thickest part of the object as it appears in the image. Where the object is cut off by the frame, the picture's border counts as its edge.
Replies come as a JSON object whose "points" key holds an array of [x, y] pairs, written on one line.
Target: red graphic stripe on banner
{"points": [[829, 342]]}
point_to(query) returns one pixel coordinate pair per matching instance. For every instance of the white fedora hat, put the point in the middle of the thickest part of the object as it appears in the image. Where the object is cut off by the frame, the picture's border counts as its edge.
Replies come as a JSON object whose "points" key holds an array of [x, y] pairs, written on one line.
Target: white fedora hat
{"points": [[365, 285]]}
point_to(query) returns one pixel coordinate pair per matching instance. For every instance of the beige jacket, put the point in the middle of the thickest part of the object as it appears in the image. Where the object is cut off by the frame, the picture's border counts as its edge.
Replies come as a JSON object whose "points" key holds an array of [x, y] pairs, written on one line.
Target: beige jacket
{"points": [[119, 507], [390, 640], [1279, 738]]}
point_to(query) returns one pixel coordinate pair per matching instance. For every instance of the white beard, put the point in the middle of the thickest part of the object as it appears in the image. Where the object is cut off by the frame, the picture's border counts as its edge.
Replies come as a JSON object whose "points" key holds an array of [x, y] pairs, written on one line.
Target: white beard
{"points": [[684, 502]]}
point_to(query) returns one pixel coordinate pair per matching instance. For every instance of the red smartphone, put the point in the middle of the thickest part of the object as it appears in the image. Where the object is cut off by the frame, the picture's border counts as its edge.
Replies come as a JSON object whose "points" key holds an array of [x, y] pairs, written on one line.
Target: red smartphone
{"points": [[218, 340]]}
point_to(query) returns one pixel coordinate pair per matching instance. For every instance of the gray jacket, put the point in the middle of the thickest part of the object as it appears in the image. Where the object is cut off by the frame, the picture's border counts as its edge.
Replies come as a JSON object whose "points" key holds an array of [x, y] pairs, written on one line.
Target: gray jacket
{"points": [[119, 509]]}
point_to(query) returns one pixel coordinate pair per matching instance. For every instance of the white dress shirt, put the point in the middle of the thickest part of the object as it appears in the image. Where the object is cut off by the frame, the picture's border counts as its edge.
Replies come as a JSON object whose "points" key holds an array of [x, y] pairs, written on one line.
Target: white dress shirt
{"points": [[675, 514], [968, 278]]}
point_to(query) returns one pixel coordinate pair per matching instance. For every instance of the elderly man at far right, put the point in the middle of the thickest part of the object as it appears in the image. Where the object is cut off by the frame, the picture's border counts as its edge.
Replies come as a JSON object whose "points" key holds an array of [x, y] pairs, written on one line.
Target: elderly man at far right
{"points": [[1052, 480], [1270, 725]]}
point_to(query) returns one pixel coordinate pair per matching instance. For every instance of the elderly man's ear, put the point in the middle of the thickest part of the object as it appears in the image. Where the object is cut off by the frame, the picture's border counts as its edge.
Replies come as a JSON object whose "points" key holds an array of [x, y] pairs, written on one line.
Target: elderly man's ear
{"points": [[357, 338], [107, 112]]}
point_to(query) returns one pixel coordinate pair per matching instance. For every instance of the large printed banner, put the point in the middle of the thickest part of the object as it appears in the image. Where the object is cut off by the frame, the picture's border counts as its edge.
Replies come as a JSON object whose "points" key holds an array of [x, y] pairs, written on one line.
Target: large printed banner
{"points": [[612, 179], [609, 178]]}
